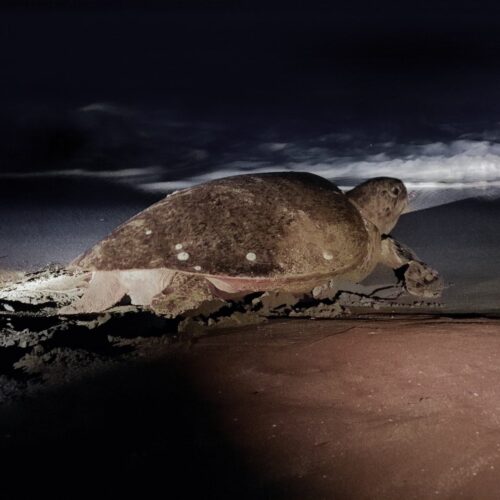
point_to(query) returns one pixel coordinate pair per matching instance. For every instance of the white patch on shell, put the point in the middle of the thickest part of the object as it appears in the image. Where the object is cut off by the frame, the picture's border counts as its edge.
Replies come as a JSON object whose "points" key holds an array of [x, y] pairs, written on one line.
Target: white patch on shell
{"points": [[197, 268], [148, 232], [327, 255], [251, 257], [178, 246], [183, 256]]}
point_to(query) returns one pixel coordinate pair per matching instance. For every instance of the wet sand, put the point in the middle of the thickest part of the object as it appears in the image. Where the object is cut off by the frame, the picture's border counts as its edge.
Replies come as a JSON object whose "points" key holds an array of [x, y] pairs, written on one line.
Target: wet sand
{"points": [[407, 407]]}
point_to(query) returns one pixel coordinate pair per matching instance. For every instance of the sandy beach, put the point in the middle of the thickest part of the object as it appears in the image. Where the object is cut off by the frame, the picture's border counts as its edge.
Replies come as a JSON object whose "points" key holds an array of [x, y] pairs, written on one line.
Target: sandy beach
{"points": [[377, 408], [396, 401]]}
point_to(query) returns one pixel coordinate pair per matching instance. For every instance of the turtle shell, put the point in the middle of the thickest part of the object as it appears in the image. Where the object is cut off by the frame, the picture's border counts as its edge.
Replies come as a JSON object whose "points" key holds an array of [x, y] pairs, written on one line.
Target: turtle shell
{"points": [[264, 225]]}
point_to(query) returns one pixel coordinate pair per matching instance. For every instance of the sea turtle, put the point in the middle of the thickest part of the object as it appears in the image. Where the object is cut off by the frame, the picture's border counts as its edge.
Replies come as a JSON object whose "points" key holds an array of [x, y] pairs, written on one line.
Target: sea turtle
{"points": [[285, 231]]}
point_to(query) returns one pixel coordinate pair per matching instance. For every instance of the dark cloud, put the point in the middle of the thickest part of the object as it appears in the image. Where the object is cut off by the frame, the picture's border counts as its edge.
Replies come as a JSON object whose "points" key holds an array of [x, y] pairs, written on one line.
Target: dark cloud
{"points": [[52, 139]]}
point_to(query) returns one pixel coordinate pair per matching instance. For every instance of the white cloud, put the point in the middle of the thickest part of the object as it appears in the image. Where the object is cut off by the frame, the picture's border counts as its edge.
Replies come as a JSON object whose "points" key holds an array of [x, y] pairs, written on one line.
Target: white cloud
{"points": [[273, 147], [233, 168], [457, 165], [439, 170], [439, 173], [120, 174]]}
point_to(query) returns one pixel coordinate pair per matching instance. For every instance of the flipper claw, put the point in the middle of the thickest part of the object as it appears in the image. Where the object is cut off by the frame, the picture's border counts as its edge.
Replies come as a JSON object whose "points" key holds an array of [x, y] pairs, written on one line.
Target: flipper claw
{"points": [[421, 280]]}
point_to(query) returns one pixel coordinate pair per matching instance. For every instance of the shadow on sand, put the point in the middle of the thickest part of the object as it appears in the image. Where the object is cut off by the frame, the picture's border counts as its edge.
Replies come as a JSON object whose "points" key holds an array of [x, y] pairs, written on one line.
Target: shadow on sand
{"points": [[139, 430]]}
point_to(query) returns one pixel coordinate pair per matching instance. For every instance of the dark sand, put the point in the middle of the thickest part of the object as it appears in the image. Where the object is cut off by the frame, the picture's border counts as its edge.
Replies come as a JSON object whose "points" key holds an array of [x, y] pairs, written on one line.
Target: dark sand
{"points": [[375, 409]]}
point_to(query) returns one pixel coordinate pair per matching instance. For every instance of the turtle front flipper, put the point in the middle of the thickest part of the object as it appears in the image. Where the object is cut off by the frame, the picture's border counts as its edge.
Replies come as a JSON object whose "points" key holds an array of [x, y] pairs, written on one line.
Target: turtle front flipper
{"points": [[419, 279], [422, 281]]}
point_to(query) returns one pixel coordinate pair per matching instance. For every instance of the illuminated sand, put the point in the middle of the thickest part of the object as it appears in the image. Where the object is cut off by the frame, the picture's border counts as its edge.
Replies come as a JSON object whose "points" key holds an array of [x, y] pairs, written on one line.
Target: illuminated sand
{"points": [[392, 409], [376, 408]]}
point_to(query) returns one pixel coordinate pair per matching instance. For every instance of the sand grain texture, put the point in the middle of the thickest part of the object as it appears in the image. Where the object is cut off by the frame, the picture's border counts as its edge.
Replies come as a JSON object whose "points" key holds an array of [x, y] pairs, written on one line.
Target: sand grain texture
{"points": [[363, 410], [345, 409]]}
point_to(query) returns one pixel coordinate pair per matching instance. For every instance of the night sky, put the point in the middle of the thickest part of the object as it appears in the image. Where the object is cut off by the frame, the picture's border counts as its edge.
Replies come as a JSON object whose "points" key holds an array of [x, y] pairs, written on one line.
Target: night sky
{"points": [[109, 105], [295, 69], [355, 59]]}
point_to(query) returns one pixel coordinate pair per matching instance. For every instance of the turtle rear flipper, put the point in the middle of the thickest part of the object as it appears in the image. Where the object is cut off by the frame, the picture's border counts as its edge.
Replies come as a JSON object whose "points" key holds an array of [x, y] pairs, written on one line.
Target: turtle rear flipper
{"points": [[185, 295], [104, 291], [108, 288]]}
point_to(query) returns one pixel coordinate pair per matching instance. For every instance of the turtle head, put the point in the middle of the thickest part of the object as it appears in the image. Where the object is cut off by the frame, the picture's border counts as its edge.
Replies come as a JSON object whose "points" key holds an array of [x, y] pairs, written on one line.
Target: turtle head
{"points": [[381, 201]]}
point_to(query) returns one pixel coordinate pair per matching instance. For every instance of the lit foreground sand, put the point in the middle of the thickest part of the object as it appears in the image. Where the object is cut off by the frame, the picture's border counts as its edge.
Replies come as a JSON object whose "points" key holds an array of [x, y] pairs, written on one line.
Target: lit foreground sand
{"points": [[390, 409], [376, 409]]}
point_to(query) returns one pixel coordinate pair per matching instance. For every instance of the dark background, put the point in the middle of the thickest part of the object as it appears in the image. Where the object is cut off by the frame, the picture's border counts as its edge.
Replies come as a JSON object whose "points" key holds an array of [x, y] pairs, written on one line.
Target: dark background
{"points": [[202, 55], [384, 67]]}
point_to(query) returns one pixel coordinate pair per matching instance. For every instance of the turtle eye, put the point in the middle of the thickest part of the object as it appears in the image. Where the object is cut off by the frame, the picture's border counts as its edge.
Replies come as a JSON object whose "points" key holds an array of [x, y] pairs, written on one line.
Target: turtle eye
{"points": [[395, 191]]}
